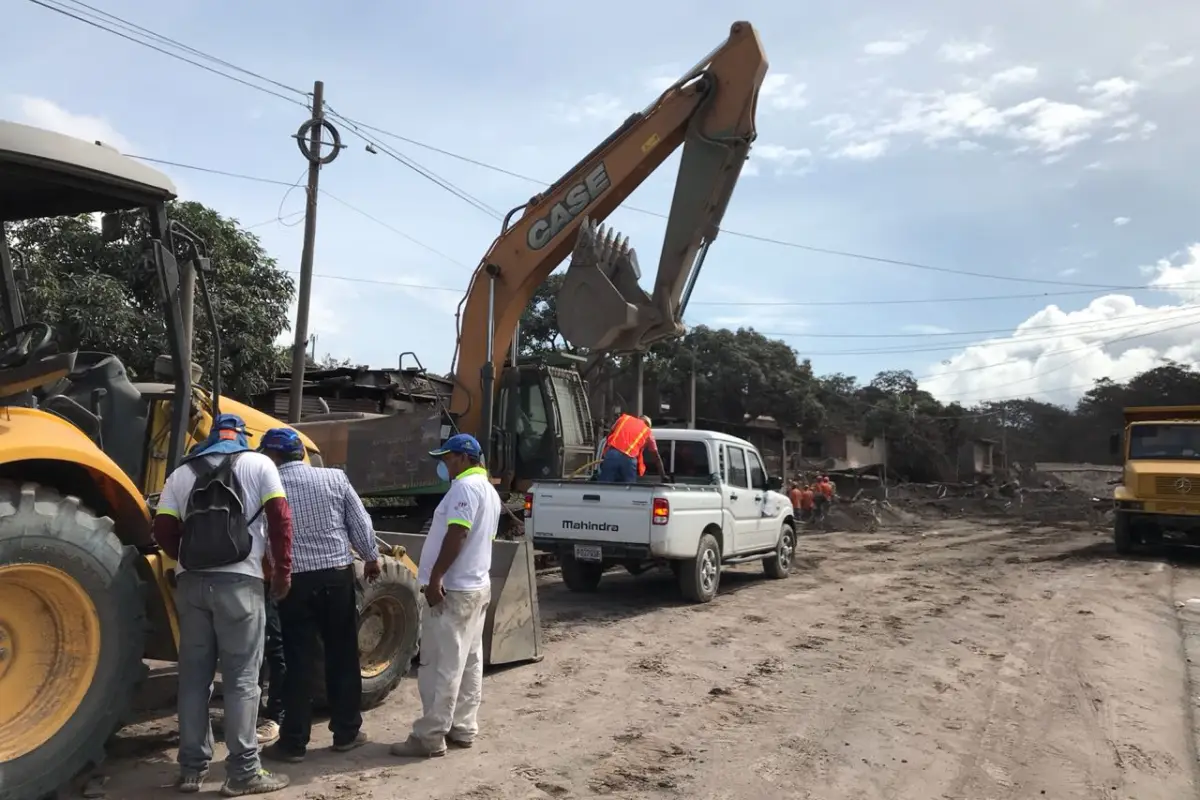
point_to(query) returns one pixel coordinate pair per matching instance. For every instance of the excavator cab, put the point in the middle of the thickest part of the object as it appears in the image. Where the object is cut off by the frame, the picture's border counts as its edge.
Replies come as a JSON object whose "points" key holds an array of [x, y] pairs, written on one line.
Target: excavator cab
{"points": [[543, 427]]}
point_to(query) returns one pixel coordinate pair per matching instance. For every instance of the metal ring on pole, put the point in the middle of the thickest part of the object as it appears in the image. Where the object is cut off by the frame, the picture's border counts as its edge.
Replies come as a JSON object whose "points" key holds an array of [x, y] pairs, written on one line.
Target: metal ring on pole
{"points": [[302, 141]]}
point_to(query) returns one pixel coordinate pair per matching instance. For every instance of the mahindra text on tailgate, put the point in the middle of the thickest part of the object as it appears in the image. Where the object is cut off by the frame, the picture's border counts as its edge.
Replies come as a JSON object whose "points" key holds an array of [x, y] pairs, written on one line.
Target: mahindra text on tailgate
{"points": [[598, 514], [1162, 469]]}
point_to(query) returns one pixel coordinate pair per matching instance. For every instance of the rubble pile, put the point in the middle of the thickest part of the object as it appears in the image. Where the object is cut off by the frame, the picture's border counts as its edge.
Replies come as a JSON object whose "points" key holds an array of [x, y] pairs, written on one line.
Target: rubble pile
{"points": [[1048, 502]]}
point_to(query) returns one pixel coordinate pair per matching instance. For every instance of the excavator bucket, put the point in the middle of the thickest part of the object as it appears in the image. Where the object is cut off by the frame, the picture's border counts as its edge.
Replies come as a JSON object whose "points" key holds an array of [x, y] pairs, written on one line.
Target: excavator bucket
{"points": [[512, 632], [601, 305]]}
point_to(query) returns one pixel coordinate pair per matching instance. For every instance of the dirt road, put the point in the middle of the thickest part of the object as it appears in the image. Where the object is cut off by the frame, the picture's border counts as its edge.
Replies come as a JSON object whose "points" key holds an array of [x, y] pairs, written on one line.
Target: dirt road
{"points": [[967, 661]]}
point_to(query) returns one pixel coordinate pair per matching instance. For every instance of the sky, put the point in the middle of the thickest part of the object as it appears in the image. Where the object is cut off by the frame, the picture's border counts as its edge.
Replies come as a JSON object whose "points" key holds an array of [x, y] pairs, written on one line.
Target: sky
{"points": [[1047, 150]]}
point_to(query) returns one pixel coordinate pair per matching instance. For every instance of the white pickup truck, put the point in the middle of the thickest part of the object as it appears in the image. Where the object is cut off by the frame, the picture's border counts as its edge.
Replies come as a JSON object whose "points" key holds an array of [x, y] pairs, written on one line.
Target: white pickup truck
{"points": [[718, 508]]}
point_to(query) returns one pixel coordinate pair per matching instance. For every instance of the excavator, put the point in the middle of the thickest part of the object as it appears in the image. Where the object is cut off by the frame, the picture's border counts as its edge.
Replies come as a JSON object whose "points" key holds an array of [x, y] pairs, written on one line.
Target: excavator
{"points": [[532, 415], [86, 597]]}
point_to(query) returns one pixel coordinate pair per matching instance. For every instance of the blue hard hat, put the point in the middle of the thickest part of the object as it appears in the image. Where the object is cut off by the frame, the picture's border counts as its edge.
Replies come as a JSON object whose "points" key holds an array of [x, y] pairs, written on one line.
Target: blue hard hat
{"points": [[282, 440], [462, 443]]}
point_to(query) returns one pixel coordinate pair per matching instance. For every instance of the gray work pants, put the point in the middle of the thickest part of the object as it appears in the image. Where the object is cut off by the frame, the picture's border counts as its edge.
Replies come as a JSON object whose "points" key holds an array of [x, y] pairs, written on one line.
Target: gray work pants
{"points": [[222, 619]]}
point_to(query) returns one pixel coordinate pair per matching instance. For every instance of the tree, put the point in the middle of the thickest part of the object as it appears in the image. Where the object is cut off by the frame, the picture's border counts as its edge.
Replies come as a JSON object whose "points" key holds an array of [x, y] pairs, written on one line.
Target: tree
{"points": [[539, 322], [100, 296]]}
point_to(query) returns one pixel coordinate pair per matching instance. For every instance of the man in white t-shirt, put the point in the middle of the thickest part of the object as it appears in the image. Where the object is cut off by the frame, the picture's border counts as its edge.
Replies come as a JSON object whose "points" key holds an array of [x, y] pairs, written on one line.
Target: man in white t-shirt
{"points": [[455, 561], [221, 607]]}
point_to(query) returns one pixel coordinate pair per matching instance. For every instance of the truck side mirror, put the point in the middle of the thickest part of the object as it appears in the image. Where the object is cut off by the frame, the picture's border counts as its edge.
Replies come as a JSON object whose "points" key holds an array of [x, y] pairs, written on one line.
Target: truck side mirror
{"points": [[774, 483], [1114, 444]]}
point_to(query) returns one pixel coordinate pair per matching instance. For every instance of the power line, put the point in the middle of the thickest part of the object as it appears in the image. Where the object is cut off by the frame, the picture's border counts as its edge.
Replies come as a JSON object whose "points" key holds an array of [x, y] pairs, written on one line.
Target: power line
{"points": [[428, 174], [1192, 320], [731, 303], [475, 202], [133, 27], [164, 51], [1011, 334]]}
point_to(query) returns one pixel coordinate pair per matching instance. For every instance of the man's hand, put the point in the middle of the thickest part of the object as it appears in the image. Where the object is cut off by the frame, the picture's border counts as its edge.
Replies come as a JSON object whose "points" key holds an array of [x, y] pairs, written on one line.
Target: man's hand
{"points": [[281, 584], [434, 592], [371, 571]]}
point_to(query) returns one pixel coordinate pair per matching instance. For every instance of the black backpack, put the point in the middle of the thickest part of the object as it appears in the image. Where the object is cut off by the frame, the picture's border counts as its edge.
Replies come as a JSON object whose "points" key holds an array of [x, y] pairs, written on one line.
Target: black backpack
{"points": [[216, 532]]}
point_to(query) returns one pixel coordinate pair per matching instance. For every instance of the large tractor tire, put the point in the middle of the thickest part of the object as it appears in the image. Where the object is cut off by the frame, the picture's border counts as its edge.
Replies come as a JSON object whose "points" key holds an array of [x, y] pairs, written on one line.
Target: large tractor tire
{"points": [[389, 632], [72, 633]]}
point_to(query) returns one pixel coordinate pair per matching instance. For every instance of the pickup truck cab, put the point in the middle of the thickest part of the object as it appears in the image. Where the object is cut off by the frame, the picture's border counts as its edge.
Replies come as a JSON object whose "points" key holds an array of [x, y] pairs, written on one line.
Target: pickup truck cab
{"points": [[717, 508]]}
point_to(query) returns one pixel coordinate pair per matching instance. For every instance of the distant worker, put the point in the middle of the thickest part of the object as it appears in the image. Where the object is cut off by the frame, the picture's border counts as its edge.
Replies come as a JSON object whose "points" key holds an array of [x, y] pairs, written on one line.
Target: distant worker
{"points": [[219, 514], [807, 502], [454, 572], [330, 524], [795, 495], [274, 671], [622, 460], [822, 497]]}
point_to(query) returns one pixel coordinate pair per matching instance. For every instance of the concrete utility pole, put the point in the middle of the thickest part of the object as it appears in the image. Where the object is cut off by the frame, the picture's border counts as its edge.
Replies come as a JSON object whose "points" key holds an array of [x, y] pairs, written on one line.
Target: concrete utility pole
{"points": [[310, 148]]}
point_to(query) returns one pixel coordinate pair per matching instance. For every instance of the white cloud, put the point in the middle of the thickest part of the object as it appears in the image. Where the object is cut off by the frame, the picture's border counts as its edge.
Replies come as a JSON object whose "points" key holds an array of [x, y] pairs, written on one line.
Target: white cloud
{"points": [[42, 113], [894, 47], [864, 151], [926, 329], [1013, 76], [598, 107], [785, 160], [964, 52], [1121, 221], [782, 92], [1055, 355]]}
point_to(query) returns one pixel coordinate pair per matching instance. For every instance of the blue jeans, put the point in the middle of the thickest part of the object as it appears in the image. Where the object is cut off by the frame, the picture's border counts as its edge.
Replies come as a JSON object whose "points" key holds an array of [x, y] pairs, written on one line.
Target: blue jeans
{"points": [[616, 467]]}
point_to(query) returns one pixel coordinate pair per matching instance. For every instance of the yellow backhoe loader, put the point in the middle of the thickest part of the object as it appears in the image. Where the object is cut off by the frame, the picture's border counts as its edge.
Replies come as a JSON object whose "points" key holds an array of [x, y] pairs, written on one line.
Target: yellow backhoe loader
{"points": [[85, 595]]}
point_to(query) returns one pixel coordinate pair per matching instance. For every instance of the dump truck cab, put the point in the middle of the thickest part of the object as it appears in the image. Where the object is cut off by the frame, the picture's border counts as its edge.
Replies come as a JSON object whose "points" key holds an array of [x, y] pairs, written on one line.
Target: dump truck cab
{"points": [[1159, 495]]}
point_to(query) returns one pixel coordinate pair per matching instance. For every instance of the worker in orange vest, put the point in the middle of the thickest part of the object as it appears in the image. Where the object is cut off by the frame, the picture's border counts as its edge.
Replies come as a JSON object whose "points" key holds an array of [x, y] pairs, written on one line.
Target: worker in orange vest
{"points": [[622, 461]]}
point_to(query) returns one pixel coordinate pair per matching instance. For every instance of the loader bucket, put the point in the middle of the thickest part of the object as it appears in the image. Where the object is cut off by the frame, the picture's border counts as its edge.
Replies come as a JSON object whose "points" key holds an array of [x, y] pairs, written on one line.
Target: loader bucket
{"points": [[512, 632], [601, 306]]}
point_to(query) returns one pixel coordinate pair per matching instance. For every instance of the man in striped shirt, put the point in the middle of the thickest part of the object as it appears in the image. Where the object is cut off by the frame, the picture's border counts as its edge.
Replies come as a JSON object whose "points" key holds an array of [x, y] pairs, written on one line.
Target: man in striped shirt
{"points": [[328, 522]]}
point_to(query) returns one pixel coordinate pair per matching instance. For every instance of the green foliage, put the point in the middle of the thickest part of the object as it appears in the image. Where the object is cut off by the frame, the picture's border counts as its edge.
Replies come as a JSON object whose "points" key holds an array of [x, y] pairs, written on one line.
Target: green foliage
{"points": [[101, 296]]}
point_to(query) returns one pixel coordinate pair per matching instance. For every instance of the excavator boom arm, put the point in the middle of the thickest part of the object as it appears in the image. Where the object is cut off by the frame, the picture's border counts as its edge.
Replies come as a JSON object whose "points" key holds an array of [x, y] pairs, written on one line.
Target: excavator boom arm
{"points": [[711, 111]]}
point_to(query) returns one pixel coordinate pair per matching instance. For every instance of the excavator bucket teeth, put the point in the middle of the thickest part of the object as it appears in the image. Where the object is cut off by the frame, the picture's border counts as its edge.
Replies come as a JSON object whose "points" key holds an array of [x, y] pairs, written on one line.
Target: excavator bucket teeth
{"points": [[601, 305]]}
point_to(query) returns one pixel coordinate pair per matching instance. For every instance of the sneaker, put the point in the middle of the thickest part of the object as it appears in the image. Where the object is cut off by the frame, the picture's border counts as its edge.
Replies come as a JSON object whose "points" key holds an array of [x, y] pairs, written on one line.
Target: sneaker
{"points": [[359, 740], [267, 732], [277, 752], [461, 744], [262, 783], [413, 748], [191, 782]]}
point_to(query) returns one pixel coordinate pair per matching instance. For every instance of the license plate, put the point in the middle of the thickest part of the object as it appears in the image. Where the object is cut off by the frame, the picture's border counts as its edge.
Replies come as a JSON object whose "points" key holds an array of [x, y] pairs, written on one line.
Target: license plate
{"points": [[585, 552]]}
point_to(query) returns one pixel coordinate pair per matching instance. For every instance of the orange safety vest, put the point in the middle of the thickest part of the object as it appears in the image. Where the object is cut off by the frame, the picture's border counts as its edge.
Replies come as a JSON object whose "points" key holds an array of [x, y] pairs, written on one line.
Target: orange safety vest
{"points": [[629, 436]]}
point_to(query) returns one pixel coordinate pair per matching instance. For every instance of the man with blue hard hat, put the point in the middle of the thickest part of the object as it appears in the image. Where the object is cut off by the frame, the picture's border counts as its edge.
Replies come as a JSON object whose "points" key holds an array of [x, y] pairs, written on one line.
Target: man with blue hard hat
{"points": [[330, 524], [455, 561], [219, 515]]}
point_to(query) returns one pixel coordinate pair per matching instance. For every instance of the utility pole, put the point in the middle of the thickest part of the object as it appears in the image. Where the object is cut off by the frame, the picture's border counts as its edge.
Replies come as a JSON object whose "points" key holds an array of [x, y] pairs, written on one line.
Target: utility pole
{"points": [[310, 148], [640, 367]]}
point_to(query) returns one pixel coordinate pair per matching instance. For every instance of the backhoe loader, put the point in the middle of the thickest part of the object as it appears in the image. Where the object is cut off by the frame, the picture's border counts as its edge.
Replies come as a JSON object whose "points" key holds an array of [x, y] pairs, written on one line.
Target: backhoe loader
{"points": [[532, 416], [85, 594]]}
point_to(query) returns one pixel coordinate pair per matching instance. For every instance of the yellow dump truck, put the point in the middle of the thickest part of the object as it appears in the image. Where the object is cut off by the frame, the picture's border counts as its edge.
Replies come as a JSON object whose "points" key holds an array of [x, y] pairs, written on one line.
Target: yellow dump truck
{"points": [[1159, 494]]}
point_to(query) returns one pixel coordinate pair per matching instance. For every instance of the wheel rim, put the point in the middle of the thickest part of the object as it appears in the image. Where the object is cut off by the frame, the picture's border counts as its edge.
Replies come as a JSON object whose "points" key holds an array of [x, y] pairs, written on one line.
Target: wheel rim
{"points": [[380, 633], [708, 571], [786, 549], [49, 652]]}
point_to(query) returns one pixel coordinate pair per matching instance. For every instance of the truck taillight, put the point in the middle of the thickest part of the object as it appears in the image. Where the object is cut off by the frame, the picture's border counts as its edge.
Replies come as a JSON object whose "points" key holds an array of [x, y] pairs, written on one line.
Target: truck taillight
{"points": [[661, 513], [528, 506]]}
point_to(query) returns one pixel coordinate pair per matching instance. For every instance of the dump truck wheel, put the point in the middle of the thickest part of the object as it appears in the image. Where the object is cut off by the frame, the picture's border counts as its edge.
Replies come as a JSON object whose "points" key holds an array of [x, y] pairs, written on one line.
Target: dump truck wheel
{"points": [[1123, 536], [580, 576], [72, 633], [779, 564], [389, 632]]}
